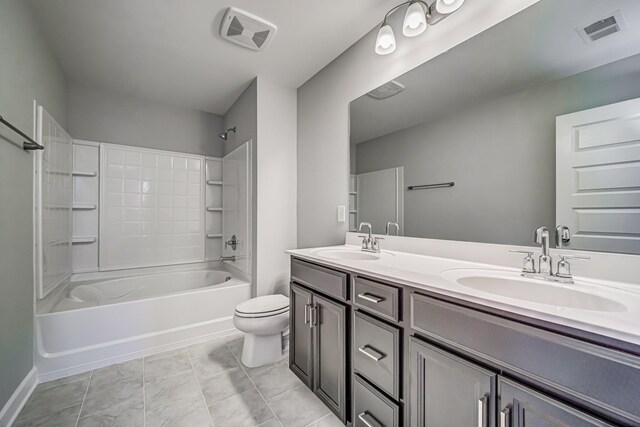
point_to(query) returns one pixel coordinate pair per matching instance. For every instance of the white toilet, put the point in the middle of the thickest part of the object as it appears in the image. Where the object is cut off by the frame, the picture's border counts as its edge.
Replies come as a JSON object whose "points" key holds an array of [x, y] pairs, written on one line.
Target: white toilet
{"points": [[263, 321]]}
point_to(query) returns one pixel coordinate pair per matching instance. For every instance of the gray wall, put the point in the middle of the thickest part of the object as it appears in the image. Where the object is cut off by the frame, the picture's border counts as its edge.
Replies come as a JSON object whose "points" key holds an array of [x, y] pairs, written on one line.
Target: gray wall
{"points": [[501, 155], [323, 109], [103, 116], [28, 72]]}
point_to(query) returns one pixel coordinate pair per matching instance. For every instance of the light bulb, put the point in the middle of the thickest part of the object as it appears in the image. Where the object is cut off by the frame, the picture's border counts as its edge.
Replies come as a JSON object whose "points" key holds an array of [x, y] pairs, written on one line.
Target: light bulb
{"points": [[386, 41], [446, 7], [415, 21]]}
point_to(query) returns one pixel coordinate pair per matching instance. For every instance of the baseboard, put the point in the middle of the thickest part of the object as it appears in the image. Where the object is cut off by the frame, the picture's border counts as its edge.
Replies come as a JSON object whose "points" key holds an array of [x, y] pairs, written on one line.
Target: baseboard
{"points": [[19, 397]]}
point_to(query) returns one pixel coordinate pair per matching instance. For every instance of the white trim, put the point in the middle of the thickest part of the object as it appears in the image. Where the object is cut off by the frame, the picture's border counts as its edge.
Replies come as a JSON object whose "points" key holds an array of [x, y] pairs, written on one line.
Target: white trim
{"points": [[88, 143], [16, 402]]}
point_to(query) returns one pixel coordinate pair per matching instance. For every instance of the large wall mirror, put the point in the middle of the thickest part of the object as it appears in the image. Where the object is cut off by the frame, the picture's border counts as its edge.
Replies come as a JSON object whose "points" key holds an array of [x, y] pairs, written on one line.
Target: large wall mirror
{"points": [[535, 122]]}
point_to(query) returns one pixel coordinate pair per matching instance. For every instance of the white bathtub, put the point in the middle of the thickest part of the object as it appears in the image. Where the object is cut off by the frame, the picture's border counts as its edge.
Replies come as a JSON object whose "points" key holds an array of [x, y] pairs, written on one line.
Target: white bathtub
{"points": [[98, 322]]}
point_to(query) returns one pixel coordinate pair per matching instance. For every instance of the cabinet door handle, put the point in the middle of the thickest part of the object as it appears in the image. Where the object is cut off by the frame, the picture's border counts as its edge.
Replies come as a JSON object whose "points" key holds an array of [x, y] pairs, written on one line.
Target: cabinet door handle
{"points": [[314, 316], [307, 308], [481, 410], [368, 420], [369, 352], [371, 298], [504, 416]]}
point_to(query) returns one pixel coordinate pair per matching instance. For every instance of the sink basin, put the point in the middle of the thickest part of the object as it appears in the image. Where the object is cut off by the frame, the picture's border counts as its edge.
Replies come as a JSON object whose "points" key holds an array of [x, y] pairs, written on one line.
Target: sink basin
{"points": [[347, 255], [511, 285]]}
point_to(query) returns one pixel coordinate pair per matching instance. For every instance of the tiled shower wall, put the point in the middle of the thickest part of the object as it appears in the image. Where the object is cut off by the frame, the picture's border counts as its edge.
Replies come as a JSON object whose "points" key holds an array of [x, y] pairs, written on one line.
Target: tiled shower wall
{"points": [[152, 207]]}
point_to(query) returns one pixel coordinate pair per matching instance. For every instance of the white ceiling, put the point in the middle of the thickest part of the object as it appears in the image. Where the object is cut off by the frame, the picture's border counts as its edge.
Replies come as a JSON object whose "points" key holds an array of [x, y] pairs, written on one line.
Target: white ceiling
{"points": [[536, 45], [170, 50]]}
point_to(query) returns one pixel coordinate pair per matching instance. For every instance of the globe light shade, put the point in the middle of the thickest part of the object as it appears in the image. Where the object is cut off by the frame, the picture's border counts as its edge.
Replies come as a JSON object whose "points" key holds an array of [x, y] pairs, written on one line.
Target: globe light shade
{"points": [[446, 7], [386, 41], [415, 21]]}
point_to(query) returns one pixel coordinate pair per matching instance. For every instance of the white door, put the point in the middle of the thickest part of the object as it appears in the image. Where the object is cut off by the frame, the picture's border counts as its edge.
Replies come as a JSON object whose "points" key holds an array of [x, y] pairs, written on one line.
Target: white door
{"points": [[598, 177], [380, 198]]}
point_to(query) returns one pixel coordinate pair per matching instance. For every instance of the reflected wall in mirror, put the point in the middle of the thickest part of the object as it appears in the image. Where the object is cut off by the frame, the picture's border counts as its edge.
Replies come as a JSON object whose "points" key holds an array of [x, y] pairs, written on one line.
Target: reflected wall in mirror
{"points": [[536, 121]]}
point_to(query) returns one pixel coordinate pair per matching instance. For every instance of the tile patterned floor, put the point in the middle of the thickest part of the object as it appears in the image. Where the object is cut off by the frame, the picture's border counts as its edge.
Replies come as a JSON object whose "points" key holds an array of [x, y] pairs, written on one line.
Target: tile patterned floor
{"points": [[201, 385]]}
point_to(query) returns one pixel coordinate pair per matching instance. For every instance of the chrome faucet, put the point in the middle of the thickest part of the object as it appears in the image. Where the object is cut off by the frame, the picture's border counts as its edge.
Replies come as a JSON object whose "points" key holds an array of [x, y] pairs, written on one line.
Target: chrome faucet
{"points": [[541, 236], [563, 236], [392, 224], [369, 243]]}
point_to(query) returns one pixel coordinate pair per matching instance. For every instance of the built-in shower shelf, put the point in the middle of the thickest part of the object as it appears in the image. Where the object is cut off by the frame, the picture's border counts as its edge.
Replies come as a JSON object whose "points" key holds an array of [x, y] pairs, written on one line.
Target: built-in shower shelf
{"points": [[214, 182], [353, 193], [213, 235], [352, 212], [214, 209], [85, 173], [84, 206], [84, 240]]}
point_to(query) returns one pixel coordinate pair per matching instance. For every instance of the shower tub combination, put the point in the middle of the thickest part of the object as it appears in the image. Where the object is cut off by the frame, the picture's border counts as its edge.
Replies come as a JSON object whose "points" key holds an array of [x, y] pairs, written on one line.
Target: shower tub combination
{"points": [[93, 323]]}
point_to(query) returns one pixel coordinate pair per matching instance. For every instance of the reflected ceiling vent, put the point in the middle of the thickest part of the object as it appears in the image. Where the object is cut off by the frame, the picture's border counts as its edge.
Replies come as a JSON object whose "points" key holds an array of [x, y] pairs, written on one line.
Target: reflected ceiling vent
{"points": [[387, 90], [602, 28], [247, 30]]}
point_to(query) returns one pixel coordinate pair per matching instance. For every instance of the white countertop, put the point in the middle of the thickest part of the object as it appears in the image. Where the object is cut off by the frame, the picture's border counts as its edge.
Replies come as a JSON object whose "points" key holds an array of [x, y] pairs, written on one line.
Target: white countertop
{"points": [[425, 272]]}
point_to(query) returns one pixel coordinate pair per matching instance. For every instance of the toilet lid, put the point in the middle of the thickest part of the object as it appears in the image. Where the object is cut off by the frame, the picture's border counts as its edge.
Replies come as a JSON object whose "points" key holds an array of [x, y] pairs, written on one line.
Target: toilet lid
{"points": [[265, 305]]}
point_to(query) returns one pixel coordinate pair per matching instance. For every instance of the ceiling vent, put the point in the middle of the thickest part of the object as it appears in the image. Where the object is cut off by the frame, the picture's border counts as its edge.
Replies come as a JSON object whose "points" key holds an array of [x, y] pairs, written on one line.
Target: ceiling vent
{"points": [[246, 30], [602, 28], [387, 90]]}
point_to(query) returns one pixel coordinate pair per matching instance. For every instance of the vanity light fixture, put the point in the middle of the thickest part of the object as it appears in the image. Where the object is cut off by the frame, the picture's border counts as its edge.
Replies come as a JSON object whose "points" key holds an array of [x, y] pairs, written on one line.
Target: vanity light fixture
{"points": [[416, 18]]}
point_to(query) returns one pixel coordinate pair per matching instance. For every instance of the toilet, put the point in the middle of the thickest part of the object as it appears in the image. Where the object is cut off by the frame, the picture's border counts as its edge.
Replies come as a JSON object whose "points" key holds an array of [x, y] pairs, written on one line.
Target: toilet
{"points": [[264, 320]]}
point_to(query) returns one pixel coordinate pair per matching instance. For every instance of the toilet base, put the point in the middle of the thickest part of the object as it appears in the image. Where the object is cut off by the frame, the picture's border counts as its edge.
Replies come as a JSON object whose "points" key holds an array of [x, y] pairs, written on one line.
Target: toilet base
{"points": [[261, 350]]}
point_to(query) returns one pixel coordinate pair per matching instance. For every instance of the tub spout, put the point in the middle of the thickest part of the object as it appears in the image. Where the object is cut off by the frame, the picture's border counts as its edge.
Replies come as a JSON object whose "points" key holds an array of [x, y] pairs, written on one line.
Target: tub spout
{"points": [[231, 258]]}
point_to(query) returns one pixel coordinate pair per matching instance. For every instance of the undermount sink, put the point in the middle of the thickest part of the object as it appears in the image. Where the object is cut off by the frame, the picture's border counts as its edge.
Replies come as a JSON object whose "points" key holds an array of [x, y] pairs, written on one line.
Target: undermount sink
{"points": [[347, 255], [512, 285]]}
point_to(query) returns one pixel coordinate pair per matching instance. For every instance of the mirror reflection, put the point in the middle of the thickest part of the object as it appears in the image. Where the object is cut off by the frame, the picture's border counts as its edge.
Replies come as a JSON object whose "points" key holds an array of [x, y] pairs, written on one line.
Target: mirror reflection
{"points": [[542, 130]]}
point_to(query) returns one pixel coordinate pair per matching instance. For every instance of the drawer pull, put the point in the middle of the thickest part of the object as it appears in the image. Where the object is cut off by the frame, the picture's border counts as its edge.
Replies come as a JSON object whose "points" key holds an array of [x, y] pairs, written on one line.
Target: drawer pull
{"points": [[371, 298], [368, 420], [369, 352], [504, 415], [481, 410]]}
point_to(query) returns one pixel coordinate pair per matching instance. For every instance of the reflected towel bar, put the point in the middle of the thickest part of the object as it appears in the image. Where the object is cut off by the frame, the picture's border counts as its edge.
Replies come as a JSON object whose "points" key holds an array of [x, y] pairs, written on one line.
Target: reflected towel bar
{"points": [[427, 186], [29, 144]]}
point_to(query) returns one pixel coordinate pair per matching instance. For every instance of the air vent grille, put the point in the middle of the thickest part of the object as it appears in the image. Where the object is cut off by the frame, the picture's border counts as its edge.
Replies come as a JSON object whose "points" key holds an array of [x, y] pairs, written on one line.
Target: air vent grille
{"points": [[246, 30], [387, 90], [602, 28]]}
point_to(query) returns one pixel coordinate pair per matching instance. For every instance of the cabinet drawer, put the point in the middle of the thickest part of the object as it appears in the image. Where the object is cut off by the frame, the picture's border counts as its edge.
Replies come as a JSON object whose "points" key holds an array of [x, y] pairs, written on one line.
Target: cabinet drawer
{"points": [[606, 380], [383, 300], [372, 409], [325, 280], [376, 352]]}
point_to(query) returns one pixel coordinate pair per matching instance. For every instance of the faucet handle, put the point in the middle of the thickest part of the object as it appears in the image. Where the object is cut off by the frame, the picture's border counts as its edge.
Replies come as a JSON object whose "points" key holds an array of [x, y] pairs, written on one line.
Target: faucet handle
{"points": [[529, 265], [564, 268]]}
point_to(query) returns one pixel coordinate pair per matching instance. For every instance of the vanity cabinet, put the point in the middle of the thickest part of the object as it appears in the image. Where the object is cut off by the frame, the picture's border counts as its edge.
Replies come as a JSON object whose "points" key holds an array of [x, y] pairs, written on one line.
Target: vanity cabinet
{"points": [[387, 355], [447, 390], [318, 333]]}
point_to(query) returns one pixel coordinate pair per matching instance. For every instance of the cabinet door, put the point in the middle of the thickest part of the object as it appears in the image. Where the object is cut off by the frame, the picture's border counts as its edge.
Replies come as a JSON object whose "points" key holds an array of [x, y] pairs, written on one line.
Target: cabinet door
{"points": [[300, 350], [330, 346], [447, 390], [521, 406]]}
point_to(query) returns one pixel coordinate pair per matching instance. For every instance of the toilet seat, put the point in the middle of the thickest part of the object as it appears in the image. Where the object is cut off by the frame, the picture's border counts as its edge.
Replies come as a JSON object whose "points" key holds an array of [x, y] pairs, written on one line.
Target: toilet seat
{"points": [[264, 306]]}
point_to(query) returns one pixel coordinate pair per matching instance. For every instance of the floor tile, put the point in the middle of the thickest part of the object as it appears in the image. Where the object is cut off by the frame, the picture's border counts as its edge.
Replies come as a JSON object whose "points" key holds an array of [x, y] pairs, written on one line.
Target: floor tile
{"points": [[274, 381], [190, 412], [166, 366], [204, 349], [130, 414], [247, 409], [224, 385], [101, 398], [64, 380], [163, 354], [66, 417], [48, 400], [329, 421], [298, 407], [105, 377], [271, 423], [213, 361], [166, 391]]}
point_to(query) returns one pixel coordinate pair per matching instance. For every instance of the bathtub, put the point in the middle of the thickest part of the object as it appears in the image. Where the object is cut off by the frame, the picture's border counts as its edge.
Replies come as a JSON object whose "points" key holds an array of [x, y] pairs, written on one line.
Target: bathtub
{"points": [[97, 322]]}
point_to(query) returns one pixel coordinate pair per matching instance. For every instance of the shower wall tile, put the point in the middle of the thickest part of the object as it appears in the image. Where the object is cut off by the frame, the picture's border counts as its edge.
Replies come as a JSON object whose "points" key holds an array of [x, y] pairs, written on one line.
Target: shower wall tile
{"points": [[86, 160], [152, 208]]}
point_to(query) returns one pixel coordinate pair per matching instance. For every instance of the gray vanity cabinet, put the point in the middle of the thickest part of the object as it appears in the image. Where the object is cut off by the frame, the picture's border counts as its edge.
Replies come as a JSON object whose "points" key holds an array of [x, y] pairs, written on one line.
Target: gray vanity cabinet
{"points": [[523, 407], [329, 353], [300, 348], [447, 390]]}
